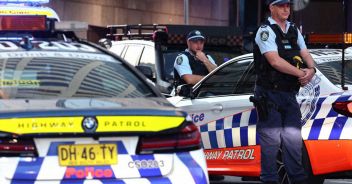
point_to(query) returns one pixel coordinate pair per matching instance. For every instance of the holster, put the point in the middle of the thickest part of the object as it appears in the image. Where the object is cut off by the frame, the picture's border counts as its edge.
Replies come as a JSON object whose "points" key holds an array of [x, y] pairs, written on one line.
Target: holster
{"points": [[261, 105]]}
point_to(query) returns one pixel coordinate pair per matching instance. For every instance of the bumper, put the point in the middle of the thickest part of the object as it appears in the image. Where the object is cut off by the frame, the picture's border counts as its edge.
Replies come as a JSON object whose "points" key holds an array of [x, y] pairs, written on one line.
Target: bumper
{"points": [[329, 156], [188, 167]]}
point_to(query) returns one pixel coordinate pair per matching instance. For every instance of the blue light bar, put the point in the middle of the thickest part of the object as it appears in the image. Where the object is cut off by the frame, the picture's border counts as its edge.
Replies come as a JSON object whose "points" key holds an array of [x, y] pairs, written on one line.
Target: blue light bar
{"points": [[25, 1]]}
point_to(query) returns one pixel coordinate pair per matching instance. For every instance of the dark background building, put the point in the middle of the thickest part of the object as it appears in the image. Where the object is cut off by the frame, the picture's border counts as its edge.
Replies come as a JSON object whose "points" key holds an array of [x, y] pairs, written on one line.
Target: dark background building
{"points": [[319, 16]]}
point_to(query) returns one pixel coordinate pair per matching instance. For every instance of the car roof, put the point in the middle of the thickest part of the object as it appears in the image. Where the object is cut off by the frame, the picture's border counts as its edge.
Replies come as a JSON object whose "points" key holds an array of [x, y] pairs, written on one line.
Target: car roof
{"points": [[143, 42], [8, 46]]}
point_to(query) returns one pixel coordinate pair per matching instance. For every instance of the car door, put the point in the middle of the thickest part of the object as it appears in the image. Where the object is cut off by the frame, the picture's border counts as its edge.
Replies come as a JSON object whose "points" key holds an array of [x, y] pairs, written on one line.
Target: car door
{"points": [[221, 107]]}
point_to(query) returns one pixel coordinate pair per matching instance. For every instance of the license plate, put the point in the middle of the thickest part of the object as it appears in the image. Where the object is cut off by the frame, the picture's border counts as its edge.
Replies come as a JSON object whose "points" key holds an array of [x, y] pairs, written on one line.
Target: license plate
{"points": [[87, 154]]}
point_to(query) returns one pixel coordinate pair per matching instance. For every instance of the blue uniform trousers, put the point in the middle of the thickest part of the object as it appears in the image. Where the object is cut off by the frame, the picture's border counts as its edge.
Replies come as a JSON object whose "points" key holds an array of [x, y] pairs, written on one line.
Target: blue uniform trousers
{"points": [[282, 128]]}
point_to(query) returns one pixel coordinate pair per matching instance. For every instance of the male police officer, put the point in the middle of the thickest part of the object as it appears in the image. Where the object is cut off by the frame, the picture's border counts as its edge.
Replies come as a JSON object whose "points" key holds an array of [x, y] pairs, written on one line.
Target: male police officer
{"points": [[193, 64], [278, 52]]}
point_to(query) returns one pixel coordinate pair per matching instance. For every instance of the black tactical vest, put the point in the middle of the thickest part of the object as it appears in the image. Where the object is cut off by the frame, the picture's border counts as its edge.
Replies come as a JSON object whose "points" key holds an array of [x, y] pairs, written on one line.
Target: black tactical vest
{"points": [[197, 67], [267, 76]]}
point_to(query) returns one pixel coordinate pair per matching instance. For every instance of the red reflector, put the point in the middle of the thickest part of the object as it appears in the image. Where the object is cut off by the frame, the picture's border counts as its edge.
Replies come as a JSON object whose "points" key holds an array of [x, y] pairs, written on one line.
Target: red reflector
{"points": [[344, 108], [187, 139], [16, 147], [22, 23]]}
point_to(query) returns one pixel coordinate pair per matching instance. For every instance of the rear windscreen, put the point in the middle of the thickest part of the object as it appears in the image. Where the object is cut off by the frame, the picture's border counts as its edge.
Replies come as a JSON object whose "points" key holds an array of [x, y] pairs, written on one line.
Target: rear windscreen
{"points": [[45, 74], [332, 71]]}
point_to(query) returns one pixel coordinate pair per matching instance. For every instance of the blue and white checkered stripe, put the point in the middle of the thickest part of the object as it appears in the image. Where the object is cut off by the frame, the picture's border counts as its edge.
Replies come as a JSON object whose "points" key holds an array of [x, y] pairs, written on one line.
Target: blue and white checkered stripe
{"points": [[325, 123], [240, 129], [231, 131], [46, 165]]}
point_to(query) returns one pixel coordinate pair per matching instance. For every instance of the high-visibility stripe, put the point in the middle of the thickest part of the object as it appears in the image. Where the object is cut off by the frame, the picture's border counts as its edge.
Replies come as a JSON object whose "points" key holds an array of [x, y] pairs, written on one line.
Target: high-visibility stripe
{"points": [[74, 124], [137, 123]]}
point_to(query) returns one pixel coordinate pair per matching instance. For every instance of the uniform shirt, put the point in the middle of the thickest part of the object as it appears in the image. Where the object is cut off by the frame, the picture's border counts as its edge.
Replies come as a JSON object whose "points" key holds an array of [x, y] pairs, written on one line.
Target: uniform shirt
{"points": [[182, 64], [265, 38]]}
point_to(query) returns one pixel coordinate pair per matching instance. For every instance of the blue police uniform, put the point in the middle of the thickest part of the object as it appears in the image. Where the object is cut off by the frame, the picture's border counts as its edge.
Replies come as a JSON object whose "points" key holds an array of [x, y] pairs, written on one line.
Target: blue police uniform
{"points": [[282, 127], [186, 62]]}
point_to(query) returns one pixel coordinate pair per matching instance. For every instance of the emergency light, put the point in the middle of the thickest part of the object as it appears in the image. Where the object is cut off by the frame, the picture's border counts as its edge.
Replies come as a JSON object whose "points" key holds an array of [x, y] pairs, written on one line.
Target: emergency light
{"points": [[330, 38], [25, 1], [22, 23]]}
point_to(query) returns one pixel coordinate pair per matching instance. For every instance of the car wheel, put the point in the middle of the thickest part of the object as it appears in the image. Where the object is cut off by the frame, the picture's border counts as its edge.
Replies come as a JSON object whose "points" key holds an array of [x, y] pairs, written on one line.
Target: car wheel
{"points": [[283, 176], [316, 179]]}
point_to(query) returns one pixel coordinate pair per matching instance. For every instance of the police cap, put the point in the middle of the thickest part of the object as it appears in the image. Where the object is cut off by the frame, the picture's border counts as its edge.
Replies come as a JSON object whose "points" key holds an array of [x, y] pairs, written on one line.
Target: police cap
{"points": [[277, 2], [195, 35]]}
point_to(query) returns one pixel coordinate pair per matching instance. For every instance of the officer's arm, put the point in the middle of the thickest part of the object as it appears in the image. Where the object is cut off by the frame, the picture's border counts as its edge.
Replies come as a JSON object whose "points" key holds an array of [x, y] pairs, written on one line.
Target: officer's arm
{"points": [[210, 66], [281, 65], [184, 70], [203, 58], [191, 79], [307, 58], [310, 70], [304, 51], [265, 39]]}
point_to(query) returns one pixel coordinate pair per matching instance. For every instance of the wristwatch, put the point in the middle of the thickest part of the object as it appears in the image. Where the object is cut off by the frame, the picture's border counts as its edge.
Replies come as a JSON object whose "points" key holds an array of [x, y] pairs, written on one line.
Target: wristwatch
{"points": [[315, 70]]}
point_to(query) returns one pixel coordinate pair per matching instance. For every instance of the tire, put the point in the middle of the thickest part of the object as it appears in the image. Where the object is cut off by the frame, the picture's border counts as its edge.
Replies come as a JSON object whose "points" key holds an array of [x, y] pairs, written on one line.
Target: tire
{"points": [[283, 176], [216, 177]]}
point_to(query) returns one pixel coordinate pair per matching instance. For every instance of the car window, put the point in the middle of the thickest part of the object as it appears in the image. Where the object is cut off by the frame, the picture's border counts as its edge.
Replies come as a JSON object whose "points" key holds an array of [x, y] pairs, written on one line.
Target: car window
{"points": [[148, 58], [332, 71], [68, 75], [221, 57], [117, 49], [247, 82], [225, 80], [169, 60], [133, 54]]}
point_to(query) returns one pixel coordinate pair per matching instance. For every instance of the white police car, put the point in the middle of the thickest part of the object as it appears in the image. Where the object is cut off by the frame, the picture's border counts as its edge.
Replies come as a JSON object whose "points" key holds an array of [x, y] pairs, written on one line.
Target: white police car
{"points": [[220, 107], [71, 112]]}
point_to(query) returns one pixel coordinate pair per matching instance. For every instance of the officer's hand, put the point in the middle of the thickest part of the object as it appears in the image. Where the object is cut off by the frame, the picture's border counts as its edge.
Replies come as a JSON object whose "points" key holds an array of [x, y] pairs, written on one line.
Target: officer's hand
{"points": [[201, 56], [307, 77]]}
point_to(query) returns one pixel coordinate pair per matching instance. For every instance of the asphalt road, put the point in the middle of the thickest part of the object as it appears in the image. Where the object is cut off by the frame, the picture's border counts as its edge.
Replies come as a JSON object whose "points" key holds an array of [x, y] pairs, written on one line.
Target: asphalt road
{"points": [[238, 180]]}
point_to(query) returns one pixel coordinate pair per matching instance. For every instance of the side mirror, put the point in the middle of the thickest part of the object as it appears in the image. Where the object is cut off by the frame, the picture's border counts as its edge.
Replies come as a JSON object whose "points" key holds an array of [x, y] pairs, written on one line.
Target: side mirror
{"points": [[105, 42], [147, 71], [185, 90]]}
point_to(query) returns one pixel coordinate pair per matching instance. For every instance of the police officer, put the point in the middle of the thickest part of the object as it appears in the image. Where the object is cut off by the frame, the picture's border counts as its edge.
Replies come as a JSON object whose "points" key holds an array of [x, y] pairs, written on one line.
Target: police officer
{"points": [[193, 64], [279, 54]]}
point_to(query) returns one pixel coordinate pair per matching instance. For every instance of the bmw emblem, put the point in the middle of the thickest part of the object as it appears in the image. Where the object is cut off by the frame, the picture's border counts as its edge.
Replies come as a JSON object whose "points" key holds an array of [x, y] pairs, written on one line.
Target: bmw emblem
{"points": [[89, 124]]}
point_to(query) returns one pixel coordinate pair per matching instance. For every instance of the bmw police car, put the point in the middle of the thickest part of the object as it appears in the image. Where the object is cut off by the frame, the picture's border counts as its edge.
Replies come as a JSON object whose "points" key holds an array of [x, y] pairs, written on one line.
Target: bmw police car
{"points": [[220, 107], [70, 112]]}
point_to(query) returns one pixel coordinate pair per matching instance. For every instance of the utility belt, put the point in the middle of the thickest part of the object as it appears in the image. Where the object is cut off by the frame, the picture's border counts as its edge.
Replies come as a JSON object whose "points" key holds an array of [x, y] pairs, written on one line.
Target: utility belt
{"points": [[277, 87], [263, 106]]}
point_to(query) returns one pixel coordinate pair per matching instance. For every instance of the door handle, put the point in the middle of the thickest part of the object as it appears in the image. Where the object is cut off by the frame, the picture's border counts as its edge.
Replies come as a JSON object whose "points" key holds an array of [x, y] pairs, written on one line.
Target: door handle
{"points": [[217, 108]]}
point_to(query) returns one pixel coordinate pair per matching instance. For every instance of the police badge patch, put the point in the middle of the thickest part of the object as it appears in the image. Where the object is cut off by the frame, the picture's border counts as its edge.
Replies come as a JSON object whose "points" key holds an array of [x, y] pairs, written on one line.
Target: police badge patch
{"points": [[179, 60], [264, 35]]}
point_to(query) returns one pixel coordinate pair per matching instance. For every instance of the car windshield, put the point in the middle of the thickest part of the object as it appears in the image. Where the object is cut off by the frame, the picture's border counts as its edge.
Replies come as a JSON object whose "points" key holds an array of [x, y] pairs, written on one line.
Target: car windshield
{"points": [[332, 71], [44, 75]]}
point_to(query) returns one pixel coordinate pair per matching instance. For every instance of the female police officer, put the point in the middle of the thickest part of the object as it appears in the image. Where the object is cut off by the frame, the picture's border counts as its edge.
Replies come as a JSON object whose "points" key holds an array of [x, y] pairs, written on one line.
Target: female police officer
{"points": [[278, 52]]}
